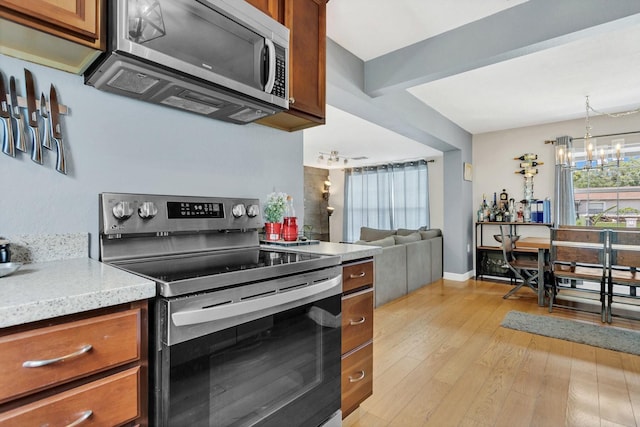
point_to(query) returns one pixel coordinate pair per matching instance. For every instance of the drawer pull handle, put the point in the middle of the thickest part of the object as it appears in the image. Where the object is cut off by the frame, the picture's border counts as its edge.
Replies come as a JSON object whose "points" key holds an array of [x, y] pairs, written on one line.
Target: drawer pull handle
{"points": [[85, 416], [358, 378], [39, 363], [357, 276], [360, 321]]}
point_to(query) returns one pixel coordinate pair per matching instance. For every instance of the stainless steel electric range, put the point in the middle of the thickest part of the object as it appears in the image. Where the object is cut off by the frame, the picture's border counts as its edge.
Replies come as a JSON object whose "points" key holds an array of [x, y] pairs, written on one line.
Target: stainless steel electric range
{"points": [[240, 335]]}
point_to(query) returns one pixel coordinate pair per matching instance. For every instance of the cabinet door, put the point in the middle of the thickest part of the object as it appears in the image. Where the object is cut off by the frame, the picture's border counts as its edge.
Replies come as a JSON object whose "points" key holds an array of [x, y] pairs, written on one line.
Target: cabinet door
{"points": [[109, 401], [357, 378], [356, 276], [306, 19], [76, 16], [270, 7], [357, 319], [67, 351]]}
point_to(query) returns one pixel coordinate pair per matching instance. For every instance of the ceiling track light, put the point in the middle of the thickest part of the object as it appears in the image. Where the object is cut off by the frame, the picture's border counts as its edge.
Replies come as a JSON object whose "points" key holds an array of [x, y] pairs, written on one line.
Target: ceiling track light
{"points": [[333, 158]]}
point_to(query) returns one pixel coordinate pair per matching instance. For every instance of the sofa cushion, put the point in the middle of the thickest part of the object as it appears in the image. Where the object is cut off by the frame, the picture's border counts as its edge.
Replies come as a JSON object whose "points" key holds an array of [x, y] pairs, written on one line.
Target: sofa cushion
{"points": [[430, 234], [386, 242], [370, 234], [401, 240], [391, 274], [418, 264]]}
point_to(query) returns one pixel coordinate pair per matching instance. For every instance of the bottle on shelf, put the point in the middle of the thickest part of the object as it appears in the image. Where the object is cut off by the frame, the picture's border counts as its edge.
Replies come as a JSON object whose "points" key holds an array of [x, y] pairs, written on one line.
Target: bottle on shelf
{"points": [[527, 156], [504, 199], [530, 164], [485, 209], [527, 172], [494, 209]]}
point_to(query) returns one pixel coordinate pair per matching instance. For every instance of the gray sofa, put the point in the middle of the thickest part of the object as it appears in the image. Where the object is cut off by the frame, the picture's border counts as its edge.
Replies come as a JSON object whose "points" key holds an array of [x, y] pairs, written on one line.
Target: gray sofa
{"points": [[410, 259]]}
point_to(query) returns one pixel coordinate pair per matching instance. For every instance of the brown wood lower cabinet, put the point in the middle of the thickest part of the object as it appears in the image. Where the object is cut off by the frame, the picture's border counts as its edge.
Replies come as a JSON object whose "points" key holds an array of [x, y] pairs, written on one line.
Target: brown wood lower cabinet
{"points": [[91, 365], [109, 401], [357, 334], [357, 378]]}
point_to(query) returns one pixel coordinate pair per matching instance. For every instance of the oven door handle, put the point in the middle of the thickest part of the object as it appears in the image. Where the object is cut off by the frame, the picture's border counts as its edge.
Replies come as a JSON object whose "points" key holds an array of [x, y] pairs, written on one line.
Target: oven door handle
{"points": [[227, 311]]}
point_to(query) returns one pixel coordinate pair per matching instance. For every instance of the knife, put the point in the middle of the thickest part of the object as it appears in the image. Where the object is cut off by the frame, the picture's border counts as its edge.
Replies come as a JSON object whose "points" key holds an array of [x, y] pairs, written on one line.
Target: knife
{"points": [[15, 114], [32, 118], [8, 143], [46, 134], [56, 130]]}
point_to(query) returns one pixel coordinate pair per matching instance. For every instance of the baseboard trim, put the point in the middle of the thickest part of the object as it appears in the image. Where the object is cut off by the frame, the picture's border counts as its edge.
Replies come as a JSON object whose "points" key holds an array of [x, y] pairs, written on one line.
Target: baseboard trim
{"points": [[457, 276]]}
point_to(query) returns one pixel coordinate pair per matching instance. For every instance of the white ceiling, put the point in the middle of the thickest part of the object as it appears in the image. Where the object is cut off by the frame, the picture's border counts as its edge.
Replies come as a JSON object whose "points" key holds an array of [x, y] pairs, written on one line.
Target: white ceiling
{"points": [[546, 86]]}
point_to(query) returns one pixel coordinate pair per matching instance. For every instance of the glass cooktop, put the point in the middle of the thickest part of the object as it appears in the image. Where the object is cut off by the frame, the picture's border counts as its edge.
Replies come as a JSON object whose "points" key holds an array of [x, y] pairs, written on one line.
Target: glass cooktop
{"points": [[238, 265]]}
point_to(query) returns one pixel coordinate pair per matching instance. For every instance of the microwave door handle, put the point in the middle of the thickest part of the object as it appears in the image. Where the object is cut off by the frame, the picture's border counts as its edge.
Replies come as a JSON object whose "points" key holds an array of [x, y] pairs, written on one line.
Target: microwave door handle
{"points": [[271, 57]]}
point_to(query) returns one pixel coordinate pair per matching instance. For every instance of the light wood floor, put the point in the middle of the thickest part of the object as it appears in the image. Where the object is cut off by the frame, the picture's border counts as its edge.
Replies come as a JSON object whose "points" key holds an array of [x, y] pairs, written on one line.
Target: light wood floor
{"points": [[442, 359]]}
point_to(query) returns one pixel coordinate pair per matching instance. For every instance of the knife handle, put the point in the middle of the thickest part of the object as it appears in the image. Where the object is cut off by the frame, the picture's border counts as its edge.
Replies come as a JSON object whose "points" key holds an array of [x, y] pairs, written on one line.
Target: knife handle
{"points": [[36, 152], [8, 143], [61, 163], [46, 134], [21, 144]]}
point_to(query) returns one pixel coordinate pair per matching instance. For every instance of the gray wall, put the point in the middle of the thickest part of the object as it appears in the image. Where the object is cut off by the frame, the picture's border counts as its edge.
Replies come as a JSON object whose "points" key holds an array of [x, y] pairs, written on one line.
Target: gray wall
{"points": [[404, 114], [315, 205], [121, 145]]}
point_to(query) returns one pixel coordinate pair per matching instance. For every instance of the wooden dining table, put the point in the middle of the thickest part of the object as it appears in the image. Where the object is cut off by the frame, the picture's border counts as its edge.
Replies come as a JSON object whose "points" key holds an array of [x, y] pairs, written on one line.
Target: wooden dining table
{"points": [[542, 244]]}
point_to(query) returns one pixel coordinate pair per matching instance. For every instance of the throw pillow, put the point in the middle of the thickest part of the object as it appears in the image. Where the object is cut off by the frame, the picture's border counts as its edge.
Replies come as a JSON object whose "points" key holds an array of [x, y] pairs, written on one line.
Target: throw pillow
{"points": [[405, 231], [430, 234], [414, 237], [387, 241], [370, 234]]}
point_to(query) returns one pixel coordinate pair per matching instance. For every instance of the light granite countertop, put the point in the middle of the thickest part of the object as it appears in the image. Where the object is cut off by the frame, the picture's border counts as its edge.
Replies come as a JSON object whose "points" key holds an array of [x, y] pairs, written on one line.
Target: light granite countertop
{"points": [[50, 289], [346, 251]]}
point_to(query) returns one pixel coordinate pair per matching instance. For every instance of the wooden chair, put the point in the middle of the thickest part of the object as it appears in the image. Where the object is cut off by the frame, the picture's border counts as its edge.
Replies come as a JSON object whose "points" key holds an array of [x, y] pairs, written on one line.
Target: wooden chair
{"points": [[579, 255], [525, 270], [625, 260]]}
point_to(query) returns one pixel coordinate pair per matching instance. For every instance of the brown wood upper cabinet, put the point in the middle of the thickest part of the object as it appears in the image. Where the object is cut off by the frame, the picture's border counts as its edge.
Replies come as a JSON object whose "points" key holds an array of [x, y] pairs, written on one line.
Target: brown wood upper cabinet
{"points": [[306, 20], [75, 20], [77, 27]]}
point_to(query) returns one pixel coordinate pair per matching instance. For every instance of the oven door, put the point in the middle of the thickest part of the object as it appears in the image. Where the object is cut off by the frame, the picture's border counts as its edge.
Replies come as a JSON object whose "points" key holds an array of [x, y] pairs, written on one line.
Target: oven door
{"points": [[275, 369]]}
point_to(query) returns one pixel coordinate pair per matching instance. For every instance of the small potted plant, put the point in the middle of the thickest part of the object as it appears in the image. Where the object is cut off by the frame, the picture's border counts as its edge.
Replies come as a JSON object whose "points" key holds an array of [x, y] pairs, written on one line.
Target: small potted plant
{"points": [[274, 209]]}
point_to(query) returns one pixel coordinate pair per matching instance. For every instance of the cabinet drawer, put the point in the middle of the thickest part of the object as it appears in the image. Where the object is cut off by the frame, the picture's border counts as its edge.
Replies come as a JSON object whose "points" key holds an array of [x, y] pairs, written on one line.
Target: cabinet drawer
{"points": [[357, 319], [357, 275], [114, 339], [357, 378], [112, 401]]}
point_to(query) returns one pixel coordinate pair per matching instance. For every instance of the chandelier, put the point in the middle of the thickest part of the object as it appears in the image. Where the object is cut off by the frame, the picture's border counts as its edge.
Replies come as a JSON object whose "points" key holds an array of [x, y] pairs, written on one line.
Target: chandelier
{"points": [[597, 151]]}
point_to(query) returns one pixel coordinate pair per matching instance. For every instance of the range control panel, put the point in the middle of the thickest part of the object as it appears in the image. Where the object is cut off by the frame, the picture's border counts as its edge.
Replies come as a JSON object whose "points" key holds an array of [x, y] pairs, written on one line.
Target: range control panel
{"points": [[124, 213], [195, 210]]}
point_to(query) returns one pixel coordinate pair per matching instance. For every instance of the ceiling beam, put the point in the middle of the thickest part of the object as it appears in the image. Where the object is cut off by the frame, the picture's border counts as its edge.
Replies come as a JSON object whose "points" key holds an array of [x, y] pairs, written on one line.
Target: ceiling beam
{"points": [[529, 27]]}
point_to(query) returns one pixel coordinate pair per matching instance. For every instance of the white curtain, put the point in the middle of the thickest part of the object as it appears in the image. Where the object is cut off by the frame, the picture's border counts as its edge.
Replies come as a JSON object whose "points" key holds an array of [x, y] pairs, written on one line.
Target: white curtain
{"points": [[387, 197], [565, 208]]}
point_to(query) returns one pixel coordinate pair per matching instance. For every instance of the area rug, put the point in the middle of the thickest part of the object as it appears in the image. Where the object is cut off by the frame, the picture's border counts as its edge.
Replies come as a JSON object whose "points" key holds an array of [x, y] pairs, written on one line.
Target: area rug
{"points": [[624, 340]]}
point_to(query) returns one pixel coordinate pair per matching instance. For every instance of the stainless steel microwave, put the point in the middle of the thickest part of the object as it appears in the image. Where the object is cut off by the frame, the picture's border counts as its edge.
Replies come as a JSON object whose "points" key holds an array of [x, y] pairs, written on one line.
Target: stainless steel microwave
{"points": [[223, 59]]}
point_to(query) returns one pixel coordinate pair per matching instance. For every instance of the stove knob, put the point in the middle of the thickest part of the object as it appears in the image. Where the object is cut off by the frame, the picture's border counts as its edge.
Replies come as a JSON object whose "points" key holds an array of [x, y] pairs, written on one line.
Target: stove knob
{"points": [[147, 210], [122, 210], [238, 211], [253, 211]]}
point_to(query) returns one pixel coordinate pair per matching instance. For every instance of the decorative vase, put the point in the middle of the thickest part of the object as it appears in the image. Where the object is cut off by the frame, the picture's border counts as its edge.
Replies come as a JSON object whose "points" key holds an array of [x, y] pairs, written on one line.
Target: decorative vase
{"points": [[272, 230]]}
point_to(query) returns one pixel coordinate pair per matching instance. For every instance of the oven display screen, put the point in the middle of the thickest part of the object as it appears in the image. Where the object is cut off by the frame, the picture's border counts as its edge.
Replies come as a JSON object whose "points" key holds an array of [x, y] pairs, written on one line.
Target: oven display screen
{"points": [[195, 210]]}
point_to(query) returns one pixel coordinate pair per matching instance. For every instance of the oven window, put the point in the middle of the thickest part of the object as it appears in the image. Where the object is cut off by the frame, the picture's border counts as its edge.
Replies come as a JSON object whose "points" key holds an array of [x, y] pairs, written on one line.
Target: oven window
{"points": [[279, 370]]}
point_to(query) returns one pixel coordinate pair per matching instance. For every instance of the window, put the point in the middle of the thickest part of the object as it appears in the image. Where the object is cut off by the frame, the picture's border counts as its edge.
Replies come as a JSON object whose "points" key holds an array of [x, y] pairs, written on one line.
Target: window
{"points": [[386, 197], [606, 180]]}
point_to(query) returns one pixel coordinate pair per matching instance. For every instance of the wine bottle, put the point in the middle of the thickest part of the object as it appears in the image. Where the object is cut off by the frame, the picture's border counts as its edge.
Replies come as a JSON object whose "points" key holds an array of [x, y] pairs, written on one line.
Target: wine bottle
{"points": [[527, 156], [527, 172], [530, 164]]}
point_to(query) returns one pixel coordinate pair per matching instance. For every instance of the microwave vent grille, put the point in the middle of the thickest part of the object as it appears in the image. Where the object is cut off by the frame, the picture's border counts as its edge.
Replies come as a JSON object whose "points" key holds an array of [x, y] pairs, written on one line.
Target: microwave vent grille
{"points": [[132, 81]]}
